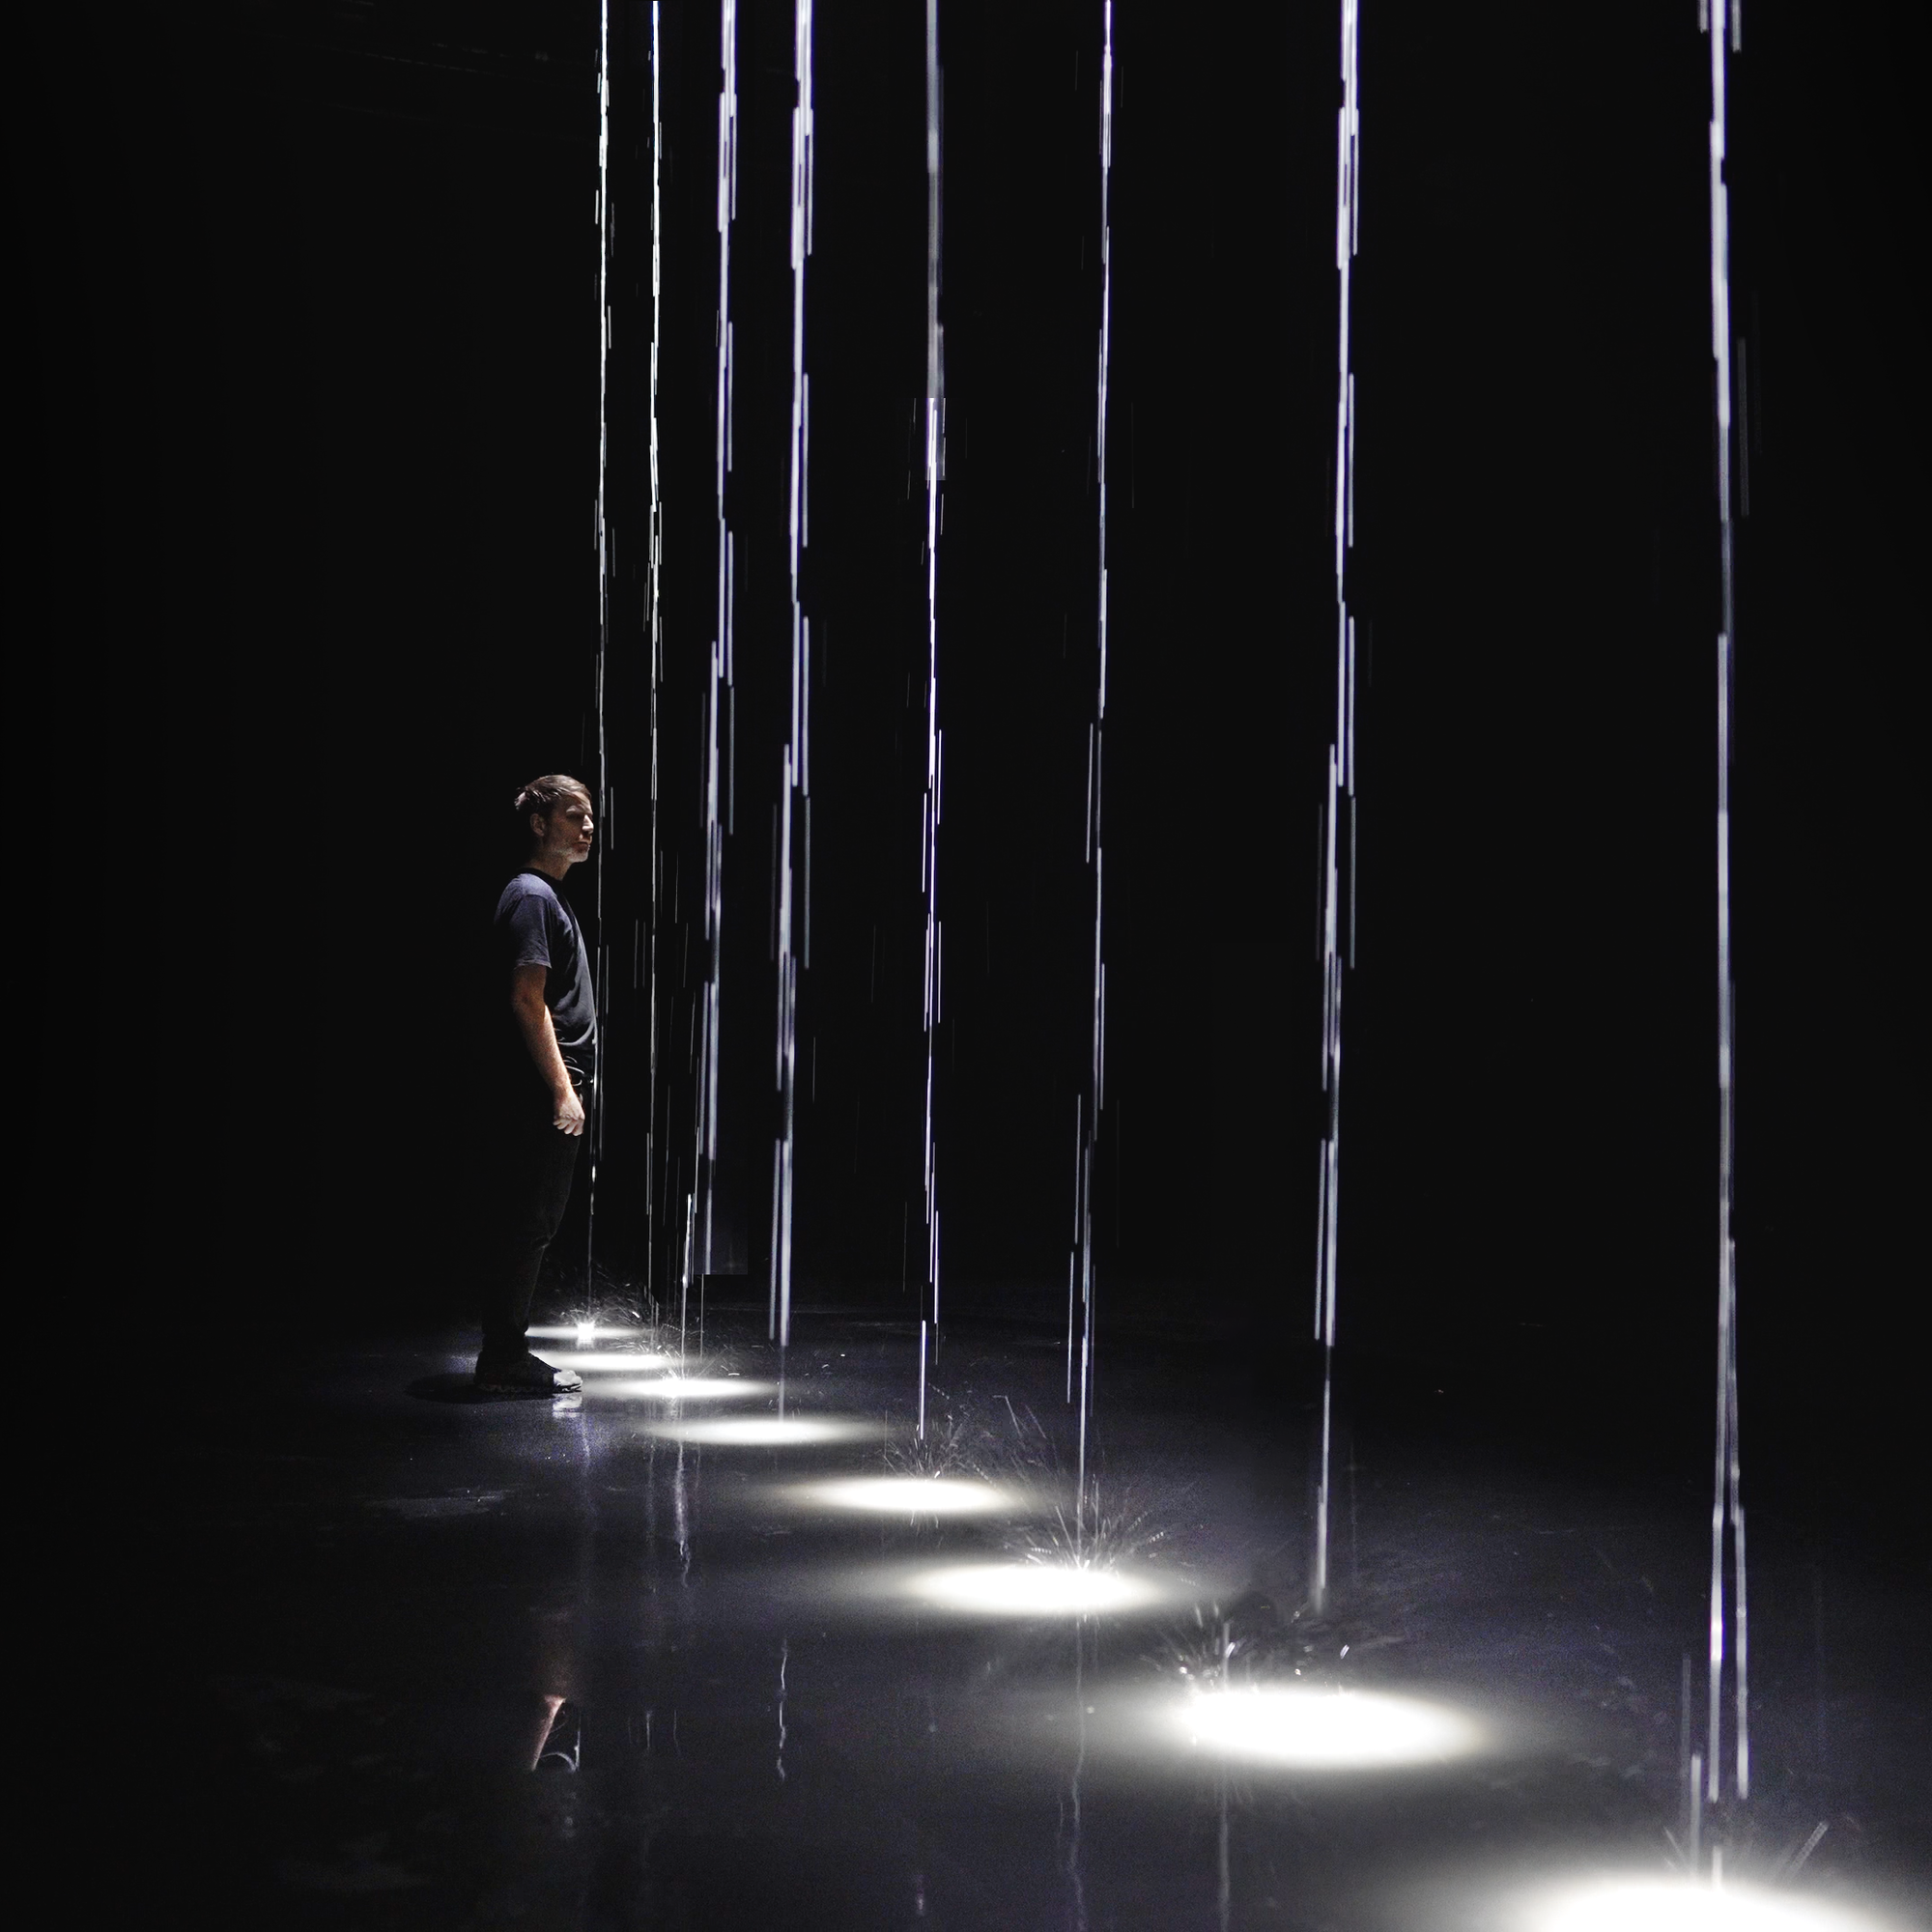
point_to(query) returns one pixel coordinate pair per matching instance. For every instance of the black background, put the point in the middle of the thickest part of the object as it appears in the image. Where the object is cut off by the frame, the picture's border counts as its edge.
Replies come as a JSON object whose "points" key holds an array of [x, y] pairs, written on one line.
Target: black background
{"points": [[306, 419]]}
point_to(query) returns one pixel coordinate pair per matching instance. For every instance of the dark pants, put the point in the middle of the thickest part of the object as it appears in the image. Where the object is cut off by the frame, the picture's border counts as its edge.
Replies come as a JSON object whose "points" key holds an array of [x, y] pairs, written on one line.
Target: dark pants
{"points": [[532, 1176]]}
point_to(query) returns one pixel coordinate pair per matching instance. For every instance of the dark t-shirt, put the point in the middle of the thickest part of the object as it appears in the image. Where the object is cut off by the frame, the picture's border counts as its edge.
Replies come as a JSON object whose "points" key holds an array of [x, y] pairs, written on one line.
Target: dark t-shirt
{"points": [[536, 927]]}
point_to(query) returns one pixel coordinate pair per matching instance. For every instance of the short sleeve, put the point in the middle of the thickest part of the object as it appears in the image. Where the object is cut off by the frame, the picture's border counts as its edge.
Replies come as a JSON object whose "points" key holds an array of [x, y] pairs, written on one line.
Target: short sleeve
{"points": [[528, 932]]}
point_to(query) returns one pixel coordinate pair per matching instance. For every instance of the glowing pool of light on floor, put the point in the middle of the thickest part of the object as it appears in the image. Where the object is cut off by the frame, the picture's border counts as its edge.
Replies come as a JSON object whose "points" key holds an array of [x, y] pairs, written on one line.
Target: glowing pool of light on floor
{"points": [[687, 1388], [1681, 1905], [767, 1432], [911, 1495], [585, 1334], [1288, 1725], [1035, 1589]]}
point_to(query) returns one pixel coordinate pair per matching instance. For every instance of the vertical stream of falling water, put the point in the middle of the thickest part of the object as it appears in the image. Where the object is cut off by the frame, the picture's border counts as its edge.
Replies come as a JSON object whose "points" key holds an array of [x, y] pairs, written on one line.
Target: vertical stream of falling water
{"points": [[929, 846], [720, 763], [795, 882], [1339, 800], [653, 568], [594, 1127], [1087, 1114], [1726, 1488]]}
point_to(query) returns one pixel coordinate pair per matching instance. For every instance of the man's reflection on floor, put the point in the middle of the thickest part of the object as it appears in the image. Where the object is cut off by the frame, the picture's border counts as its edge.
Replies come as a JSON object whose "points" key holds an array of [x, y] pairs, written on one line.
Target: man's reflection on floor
{"points": [[551, 1739]]}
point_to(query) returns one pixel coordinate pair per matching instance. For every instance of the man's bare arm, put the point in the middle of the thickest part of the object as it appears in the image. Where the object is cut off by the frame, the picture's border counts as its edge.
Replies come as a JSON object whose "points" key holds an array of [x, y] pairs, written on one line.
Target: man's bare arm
{"points": [[533, 1021]]}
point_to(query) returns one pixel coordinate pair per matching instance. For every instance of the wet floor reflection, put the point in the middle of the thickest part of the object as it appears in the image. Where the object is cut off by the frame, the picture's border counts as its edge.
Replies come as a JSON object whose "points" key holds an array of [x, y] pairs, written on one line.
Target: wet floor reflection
{"points": [[620, 1664], [769, 1431]]}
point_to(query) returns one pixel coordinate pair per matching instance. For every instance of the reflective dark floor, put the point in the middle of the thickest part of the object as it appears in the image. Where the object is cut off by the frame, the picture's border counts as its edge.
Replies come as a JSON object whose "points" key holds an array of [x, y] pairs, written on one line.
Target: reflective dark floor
{"points": [[427, 1660]]}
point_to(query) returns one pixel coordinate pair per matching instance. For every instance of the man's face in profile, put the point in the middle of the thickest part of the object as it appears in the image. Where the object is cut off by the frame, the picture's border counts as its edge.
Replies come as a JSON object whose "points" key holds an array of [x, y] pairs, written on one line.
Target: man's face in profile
{"points": [[564, 838]]}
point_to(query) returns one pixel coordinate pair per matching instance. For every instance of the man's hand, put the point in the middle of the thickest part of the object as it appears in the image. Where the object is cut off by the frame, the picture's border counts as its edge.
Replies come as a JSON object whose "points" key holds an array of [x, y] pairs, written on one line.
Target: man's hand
{"points": [[568, 1117]]}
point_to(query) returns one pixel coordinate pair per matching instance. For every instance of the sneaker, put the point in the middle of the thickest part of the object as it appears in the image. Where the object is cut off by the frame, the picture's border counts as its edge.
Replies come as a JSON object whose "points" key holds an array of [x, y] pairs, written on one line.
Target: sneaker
{"points": [[524, 1373]]}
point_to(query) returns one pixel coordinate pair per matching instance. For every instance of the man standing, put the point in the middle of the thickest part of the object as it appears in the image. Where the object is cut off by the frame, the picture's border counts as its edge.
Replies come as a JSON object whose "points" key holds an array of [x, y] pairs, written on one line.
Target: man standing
{"points": [[550, 1049]]}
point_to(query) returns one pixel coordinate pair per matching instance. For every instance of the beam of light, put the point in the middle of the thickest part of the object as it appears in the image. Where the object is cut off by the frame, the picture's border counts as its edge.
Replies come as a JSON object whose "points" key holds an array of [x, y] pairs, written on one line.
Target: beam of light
{"points": [[929, 802], [1338, 848], [768, 1431], [1088, 1105], [911, 1497], [1037, 1589], [720, 761], [795, 790], [1726, 1483], [1324, 1730], [685, 1388], [1681, 1905]]}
